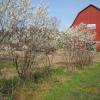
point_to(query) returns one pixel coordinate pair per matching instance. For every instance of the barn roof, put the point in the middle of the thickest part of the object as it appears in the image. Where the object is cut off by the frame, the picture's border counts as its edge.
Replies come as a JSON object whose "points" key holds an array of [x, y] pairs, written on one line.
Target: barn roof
{"points": [[84, 10]]}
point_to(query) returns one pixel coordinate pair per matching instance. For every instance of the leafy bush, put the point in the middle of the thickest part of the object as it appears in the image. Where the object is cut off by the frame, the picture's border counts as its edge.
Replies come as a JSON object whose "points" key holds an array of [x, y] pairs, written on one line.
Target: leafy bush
{"points": [[8, 86], [79, 46]]}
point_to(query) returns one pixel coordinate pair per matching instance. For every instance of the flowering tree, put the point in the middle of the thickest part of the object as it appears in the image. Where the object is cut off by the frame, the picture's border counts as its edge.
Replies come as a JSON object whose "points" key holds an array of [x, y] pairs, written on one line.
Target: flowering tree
{"points": [[78, 45], [25, 32], [28, 34], [46, 34], [14, 15]]}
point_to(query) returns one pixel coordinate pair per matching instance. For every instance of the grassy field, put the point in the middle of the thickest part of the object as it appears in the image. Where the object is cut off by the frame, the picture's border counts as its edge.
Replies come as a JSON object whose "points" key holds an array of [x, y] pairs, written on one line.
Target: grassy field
{"points": [[82, 85], [62, 85]]}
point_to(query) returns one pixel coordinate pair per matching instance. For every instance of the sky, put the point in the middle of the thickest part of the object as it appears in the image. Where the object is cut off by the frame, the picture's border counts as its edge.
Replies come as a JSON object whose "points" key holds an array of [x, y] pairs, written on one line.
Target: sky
{"points": [[66, 10]]}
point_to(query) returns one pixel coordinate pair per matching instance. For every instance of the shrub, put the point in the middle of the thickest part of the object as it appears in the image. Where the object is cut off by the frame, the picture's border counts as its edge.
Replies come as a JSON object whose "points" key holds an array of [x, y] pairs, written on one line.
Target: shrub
{"points": [[78, 46], [7, 87]]}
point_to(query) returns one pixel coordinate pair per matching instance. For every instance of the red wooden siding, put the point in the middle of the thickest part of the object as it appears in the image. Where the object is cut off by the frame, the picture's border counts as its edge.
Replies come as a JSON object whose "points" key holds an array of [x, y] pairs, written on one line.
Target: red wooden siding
{"points": [[90, 15]]}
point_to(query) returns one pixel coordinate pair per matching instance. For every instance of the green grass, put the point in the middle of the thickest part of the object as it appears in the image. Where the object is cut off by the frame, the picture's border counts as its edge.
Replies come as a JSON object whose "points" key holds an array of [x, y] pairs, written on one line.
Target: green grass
{"points": [[6, 64], [62, 85], [83, 85]]}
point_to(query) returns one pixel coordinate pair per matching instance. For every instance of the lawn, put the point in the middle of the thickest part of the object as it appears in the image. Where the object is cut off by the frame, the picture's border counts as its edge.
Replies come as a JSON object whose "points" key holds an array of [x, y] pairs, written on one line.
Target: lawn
{"points": [[62, 85], [82, 85]]}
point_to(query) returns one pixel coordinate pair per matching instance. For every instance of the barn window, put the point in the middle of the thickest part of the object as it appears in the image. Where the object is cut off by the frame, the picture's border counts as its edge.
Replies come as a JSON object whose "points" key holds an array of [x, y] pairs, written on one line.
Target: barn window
{"points": [[91, 26]]}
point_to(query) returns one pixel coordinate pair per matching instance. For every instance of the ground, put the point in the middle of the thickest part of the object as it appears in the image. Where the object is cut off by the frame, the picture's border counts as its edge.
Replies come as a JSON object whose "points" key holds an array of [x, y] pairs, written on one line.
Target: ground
{"points": [[82, 85], [97, 57], [60, 84]]}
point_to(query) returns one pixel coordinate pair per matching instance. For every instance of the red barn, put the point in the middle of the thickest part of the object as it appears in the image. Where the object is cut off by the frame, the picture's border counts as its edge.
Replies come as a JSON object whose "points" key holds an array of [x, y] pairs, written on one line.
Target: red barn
{"points": [[90, 16]]}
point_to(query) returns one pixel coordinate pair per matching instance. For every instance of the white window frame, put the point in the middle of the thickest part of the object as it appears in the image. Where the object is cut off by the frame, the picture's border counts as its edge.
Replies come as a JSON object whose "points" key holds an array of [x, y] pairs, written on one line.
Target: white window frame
{"points": [[91, 26]]}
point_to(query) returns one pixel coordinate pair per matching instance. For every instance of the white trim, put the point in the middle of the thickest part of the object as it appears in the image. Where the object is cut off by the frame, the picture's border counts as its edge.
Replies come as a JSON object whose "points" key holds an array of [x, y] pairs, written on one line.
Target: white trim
{"points": [[91, 26], [97, 42]]}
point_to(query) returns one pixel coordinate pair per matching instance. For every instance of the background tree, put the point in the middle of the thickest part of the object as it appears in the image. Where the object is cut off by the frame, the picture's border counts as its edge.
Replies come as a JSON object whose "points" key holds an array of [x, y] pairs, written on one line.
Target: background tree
{"points": [[78, 44], [28, 35]]}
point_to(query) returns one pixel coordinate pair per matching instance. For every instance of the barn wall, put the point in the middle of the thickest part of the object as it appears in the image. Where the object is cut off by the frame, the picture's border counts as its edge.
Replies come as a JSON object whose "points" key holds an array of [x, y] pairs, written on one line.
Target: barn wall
{"points": [[90, 16]]}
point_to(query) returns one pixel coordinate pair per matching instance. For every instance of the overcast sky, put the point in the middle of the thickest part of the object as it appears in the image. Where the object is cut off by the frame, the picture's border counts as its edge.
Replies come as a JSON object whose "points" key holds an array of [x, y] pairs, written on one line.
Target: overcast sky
{"points": [[66, 10]]}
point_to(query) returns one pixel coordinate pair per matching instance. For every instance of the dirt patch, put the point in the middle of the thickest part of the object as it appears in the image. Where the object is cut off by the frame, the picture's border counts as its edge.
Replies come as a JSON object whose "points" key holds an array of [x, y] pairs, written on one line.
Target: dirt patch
{"points": [[9, 73], [97, 57], [38, 95], [95, 90], [35, 95], [22, 94], [60, 64], [62, 79], [45, 86]]}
